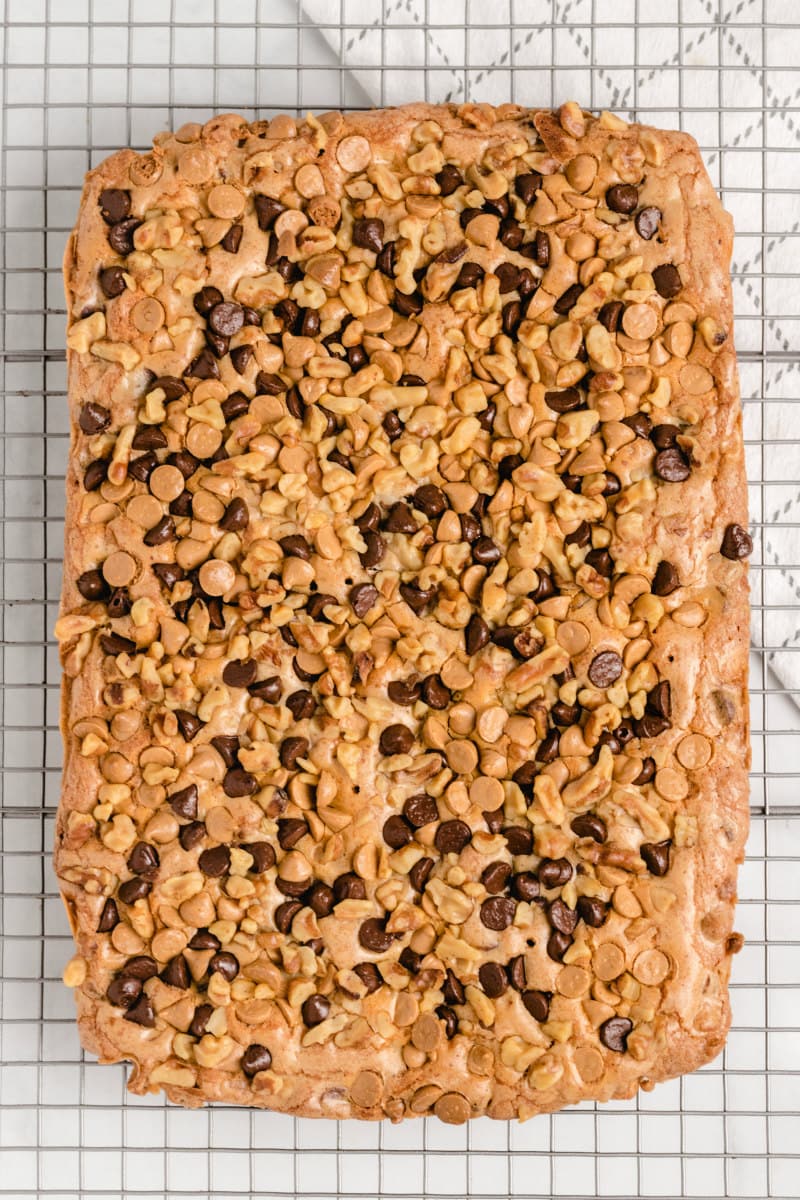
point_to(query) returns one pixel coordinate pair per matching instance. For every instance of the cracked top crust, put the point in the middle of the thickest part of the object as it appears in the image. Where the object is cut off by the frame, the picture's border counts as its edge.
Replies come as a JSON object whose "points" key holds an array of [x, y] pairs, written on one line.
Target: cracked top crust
{"points": [[404, 617]]}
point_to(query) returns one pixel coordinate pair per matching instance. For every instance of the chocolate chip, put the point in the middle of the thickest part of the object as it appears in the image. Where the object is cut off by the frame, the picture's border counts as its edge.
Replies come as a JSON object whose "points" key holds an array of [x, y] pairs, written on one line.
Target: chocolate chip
{"points": [[142, 1013], [301, 704], [469, 276], [363, 597], [400, 519], [622, 198], [671, 465], [215, 862], [369, 975], [736, 543], [592, 912], [123, 992], [241, 673], [614, 1033], [134, 889], [430, 499], [659, 699], [434, 693], [497, 912], [206, 299], [238, 782], [410, 960], [285, 913], [293, 748], [449, 179], [186, 463], [387, 260], [141, 967], [225, 964], [256, 1058], [115, 204], [192, 835], [527, 185], [92, 585], [565, 401], [372, 936], [665, 580], [290, 832], [647, 772], [204, 366], [517, 973], [109, 917], [667, 280], [525, 886], [417, 598], [568, 299], [143, 859], [176, 973], [392, 426], [452, 837], [453, 989], [404, 692], [565, 714], [476, 635], [95, 474], [656, 856], [558, 944], [375, 550], [511, 234], [647, 222], [267, 209], [94, 418], [518, 839], [420, 873], [227, 746], [349, 886], [184, 802], [486, 417], [610, 315], [162, 532], [485, 553], [511, 317], [396, 832], [396, 739], [120, 236], [554, 872], [495, 877], [590, 826], [493, 979], [226, 319], [321, 899], [605, 669], [538, 1004], [562, 917], [262, 854], [548, 747], [269, 384], [149, 437], [368, 233], [601, 562], [188, 723]]}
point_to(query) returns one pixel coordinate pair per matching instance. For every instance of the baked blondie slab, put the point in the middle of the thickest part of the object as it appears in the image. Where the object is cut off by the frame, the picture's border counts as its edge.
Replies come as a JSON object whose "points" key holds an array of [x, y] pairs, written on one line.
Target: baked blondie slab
{"points": [[404, 618]]}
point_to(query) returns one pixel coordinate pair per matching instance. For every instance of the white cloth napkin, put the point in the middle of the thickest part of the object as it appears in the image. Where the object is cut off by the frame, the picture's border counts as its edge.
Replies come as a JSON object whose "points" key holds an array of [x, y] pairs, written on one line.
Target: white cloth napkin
{"points": [[420, 59]]}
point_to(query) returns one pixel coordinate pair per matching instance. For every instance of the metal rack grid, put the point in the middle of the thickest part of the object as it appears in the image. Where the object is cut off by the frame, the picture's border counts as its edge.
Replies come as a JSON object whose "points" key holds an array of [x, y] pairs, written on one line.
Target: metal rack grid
{"points": [[82, 77]]}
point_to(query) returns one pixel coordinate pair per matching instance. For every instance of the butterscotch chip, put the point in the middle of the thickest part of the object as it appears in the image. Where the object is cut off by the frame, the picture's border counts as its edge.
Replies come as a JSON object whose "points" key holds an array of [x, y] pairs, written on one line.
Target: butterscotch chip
{"points": [[694, 751], [366, 1089], [452, 1108], [226, 201], [166, 483], [651, 967], [217, 577], [573, 981], [119, 569], [426, 1032], [147, 315], [588, 1063], [145, 510], [608, 961], [353, 153], [406, 555], [487, 793], [671, 784]]}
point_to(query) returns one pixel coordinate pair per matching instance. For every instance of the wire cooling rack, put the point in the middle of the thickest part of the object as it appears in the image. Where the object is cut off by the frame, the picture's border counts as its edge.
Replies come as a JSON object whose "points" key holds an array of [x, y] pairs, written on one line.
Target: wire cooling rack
{"points": [[82, 78]]}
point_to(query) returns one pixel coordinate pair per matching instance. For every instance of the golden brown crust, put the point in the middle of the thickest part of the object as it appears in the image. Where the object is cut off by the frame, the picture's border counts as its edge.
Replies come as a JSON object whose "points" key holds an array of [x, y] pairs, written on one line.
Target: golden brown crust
{"points": [[661, 957]]}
